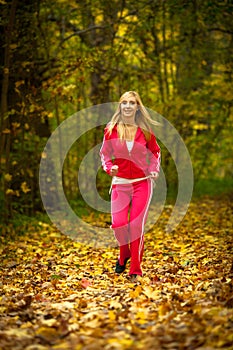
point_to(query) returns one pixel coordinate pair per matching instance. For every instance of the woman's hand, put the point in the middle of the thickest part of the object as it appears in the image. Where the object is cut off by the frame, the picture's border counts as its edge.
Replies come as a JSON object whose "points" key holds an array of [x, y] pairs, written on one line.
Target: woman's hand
{"points": [[114, 170], [154, 175]]}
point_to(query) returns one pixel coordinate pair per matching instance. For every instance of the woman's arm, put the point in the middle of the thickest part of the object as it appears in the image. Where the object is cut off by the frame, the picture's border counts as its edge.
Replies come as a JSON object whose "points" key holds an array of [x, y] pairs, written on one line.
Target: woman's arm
{"points": [[154, 155], [106, 153]]}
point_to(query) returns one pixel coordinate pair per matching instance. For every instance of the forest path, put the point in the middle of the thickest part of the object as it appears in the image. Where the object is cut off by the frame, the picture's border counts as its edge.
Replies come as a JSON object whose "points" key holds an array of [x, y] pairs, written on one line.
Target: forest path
{"points": [[60, 294]]}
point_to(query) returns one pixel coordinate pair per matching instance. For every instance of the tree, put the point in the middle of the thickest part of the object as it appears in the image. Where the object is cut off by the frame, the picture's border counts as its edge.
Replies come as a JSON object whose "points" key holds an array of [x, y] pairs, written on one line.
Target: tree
{"points": [[60, 57]]}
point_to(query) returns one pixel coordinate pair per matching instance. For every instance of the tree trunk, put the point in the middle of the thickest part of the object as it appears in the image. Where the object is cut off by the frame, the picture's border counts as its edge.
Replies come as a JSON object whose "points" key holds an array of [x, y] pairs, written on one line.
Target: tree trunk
{"points": [[5, 144]]}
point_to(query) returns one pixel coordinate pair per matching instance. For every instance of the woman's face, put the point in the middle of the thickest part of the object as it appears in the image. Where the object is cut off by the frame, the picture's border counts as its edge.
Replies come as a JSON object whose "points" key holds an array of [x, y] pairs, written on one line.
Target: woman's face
{"points": [[129, 107]]}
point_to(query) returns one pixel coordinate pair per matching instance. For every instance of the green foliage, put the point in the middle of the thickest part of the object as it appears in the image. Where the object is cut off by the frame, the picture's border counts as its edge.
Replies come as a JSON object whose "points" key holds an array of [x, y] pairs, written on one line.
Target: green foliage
{"points": [[213, 187]]}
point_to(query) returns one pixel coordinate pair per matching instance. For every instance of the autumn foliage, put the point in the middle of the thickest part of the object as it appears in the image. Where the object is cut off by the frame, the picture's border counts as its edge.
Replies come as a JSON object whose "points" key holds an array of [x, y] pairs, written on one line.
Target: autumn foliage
{"points": [[59, 294]]}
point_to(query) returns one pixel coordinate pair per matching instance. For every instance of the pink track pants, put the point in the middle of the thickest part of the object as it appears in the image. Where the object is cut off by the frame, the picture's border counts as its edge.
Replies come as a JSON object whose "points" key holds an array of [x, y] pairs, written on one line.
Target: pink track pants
{"points": [[129, 208]]}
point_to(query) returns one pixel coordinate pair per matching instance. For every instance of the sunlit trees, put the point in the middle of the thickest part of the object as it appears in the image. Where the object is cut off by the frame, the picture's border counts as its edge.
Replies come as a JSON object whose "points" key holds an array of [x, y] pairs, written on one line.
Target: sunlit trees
{"points": [[59, 57]]}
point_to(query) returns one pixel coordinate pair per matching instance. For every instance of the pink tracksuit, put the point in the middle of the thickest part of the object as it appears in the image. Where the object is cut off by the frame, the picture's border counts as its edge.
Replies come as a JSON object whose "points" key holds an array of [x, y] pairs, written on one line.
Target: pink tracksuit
{"points": [[130, 201]]}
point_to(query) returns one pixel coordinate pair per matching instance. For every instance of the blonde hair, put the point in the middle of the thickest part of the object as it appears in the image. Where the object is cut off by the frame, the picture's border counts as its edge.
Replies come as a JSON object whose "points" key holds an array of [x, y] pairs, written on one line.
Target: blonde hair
{"points": [[142, 118]]}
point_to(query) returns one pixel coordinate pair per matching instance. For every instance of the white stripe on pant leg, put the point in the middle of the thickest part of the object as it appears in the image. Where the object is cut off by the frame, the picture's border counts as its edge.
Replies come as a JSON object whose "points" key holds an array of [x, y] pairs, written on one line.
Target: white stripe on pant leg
{"points": [[143, 220]]}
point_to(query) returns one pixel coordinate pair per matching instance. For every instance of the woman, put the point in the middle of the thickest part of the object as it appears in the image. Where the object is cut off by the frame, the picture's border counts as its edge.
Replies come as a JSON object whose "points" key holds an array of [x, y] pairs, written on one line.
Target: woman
{"points": [[131, 155]]}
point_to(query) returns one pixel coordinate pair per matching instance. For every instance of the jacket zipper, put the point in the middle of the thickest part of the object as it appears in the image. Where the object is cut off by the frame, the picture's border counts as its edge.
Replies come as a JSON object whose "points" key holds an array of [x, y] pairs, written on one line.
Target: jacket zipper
{"points": [[130, 169]]}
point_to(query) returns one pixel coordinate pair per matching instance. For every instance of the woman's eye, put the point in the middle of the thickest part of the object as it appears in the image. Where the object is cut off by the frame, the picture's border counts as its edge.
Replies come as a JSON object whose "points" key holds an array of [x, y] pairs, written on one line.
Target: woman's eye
{"points": [[132, 103]]}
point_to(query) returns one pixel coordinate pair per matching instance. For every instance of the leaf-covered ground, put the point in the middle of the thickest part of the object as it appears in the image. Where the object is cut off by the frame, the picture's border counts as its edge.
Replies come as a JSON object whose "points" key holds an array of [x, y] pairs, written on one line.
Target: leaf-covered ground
{"points": [[60, 294]]}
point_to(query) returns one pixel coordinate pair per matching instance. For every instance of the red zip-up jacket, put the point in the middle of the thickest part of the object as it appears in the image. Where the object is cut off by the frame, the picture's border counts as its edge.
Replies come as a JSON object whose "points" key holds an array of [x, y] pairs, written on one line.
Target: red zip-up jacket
{"points": [[143, 159]]}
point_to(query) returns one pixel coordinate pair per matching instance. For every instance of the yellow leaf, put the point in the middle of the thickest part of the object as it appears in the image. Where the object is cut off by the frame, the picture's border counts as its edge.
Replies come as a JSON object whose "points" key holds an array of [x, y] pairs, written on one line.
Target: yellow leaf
{"points": [[49, 323], [24, 187], [135, 293], [112, 315], [43, 155], [151, 294], [96, 322], [17, 333], [25, 63], [9, 191], [8, 177], [13, 46], [15, 125], [141, 316], [163, 309], [18, 83], [47, 333], [30, 173], [115, 305]]}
